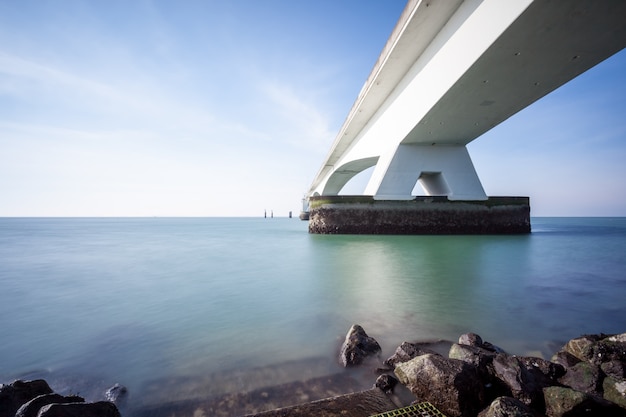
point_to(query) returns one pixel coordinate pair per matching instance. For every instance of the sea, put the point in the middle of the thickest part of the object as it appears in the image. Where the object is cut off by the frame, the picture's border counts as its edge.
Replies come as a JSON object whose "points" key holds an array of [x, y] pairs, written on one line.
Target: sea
{"points": [[149, 302]]}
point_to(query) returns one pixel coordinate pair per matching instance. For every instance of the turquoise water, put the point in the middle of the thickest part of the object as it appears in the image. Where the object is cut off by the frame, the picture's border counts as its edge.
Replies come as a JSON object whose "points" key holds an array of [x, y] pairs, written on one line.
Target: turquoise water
{"points": [[135, 300]]}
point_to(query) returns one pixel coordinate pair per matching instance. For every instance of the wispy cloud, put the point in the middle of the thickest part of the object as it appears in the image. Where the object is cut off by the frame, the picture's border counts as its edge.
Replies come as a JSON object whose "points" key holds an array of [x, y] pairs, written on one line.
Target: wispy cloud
{"points": [[302, 123]]}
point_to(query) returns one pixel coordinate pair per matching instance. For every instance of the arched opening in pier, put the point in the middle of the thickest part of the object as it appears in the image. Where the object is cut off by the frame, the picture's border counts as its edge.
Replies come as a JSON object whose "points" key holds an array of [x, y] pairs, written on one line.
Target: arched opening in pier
{"points": [[345, 173], [356, 185], [430, 184]]}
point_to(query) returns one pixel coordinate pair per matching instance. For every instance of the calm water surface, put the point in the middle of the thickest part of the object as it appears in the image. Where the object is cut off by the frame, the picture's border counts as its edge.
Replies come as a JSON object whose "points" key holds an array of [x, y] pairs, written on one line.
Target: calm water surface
{"points": [[136, 300]]}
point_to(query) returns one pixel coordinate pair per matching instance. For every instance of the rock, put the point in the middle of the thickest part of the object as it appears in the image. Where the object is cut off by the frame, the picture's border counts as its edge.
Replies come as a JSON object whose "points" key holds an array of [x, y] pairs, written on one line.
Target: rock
{"points": [[581, 347], [615, 391], [474, 355], [612, 348], [32, 407], [549, 369], [563, 401], [451, 385], [525, 377], [36, 399], [598, 349], [616, 369], [357, 346], [386, 383], [565, 358], [584, 377], [482, 359], [117, 394], [619, 338], [405, 352], [98, 409], [507, 407], [12, 396], [470, 339], [493, 348]]}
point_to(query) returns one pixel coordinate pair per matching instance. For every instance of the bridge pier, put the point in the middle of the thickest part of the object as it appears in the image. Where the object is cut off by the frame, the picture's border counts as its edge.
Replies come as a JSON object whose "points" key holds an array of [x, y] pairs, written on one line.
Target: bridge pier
{"points": [[441, 170], [422, 215]]}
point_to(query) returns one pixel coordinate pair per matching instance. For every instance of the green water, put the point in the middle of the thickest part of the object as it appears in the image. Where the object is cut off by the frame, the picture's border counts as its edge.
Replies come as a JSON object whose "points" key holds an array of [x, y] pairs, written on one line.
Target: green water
{"points": [[140, 300]]}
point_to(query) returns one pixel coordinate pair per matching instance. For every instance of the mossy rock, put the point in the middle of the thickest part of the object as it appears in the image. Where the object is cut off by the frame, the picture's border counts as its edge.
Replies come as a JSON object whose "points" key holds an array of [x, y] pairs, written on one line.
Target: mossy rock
{"points": [[615, 391], [563, 401]]}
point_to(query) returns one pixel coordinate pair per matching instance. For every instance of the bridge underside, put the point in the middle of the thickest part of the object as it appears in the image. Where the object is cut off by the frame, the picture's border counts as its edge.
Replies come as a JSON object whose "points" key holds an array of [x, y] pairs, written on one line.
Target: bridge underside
{"points": [[452, 71]]}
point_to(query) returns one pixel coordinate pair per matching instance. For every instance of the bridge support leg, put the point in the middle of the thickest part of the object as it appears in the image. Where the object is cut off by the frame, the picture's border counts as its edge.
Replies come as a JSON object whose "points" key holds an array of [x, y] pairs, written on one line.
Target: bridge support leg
{"points": [[445, 170]]}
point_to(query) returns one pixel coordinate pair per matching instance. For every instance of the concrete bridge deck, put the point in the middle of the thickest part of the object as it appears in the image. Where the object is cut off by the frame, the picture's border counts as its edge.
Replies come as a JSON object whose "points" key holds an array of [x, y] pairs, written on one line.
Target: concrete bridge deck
{"points": [[452, 70]]}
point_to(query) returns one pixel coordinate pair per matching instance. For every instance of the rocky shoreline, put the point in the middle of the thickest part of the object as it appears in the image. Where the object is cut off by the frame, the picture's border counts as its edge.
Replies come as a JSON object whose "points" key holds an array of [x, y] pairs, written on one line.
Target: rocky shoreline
{"points": [[586, 377], [469, 378]]}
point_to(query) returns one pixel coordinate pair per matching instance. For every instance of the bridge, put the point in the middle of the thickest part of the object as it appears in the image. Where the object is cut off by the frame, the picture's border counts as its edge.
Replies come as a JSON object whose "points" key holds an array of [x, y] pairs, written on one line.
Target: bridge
{"points": [[450, 71]]}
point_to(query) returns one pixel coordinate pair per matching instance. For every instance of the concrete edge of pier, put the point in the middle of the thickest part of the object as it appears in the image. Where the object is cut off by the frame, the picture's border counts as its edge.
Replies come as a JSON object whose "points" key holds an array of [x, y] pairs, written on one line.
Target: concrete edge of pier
{"points": [[421, 215], [359, 404]]}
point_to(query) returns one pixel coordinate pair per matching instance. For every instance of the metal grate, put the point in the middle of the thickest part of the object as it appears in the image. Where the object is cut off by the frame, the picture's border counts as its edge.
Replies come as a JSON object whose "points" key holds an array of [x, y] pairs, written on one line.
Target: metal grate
{"points": [[424, 409]]}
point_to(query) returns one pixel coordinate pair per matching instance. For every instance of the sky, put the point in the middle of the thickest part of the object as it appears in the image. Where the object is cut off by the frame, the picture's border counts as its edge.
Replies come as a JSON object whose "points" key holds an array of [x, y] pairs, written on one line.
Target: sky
{"points": [[228, 108]]}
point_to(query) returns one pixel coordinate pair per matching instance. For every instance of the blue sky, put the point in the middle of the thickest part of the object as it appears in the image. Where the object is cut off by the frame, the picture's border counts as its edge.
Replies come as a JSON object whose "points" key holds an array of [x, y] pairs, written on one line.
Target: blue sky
{"points": [[228, 108]]}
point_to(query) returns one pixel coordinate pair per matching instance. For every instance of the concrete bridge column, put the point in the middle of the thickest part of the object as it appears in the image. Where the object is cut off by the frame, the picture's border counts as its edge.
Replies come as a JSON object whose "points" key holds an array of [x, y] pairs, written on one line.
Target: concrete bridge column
{"points": [[442, 170]]}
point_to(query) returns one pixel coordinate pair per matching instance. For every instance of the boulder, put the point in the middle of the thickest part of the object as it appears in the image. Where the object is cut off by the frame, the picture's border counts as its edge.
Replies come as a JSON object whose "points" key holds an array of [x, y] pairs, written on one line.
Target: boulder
{"points": [[117, 394], [97, 409], [13, 395], [581, 347], [472, 354], [507, 407], [619, 338], [386, 383], [32, 407], [451, 385], [526, 377], [565, 359], [585, 377], [616, 369], [566, 402], [482, 359], [472, 339], [612, 348], [357, 346], [548, 369], [405, 352], [615, 391], [598, 349]]}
